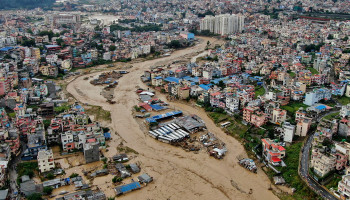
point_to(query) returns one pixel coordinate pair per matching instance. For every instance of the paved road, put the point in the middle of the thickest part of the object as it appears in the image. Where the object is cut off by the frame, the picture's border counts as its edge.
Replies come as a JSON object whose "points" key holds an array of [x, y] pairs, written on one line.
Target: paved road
{"points": [[319, 117], [265, 87], [13, 173], [304, 171]]}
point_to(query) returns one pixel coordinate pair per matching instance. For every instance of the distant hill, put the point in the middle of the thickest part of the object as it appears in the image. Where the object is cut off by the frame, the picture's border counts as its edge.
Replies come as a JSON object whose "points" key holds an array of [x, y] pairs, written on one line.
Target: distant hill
{"points": [[25, 4]]}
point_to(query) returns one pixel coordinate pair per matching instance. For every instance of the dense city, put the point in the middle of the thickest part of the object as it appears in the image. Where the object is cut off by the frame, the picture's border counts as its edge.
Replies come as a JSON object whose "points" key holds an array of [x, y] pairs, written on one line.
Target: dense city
{"points": [[152, 99]]}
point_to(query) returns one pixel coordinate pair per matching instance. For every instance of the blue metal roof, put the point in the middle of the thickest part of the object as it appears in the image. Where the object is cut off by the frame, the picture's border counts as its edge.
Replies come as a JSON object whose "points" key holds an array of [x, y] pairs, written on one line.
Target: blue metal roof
{"points": [[205, 87], [321, 107], [162, 116], [107, 135], [158, 77], [156, 107], [6, 48], [172, 79], [129, 187]]}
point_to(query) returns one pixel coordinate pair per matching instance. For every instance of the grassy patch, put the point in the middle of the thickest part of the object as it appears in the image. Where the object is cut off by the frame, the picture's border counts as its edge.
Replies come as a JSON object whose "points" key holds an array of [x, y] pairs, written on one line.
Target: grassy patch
{"points": [[26, 168], [293, 106], [259, 91], [331, 116], [344, 100], [334, 182], [62, 108], [292, 74], [290, 173], [236, 127], [218, 117], [312, 70], [99, 113]]}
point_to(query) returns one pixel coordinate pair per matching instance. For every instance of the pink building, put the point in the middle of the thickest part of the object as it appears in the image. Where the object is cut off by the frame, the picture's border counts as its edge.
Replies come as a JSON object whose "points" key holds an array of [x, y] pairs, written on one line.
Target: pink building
{"points": [[254, 116]]}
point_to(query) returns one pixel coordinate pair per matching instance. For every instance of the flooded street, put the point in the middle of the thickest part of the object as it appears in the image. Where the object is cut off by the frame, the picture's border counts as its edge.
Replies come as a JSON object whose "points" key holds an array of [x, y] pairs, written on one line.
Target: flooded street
{"points": [[177, 174]]}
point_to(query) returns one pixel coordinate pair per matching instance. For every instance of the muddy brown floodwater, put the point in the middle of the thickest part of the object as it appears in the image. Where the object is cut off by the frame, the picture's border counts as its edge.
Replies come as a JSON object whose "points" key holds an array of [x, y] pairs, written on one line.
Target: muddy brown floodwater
{"points": [[177, 174]]}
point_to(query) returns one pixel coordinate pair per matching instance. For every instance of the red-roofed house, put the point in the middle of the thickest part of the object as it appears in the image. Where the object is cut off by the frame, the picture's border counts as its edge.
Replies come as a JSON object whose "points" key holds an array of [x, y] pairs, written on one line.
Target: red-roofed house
{"points": [[273, 152], [146, 106]]}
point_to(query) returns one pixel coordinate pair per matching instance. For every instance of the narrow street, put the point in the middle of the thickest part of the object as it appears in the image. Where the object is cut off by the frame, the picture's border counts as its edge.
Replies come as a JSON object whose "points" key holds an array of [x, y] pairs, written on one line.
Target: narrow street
{"points": [[304, 165], [14, 188]]}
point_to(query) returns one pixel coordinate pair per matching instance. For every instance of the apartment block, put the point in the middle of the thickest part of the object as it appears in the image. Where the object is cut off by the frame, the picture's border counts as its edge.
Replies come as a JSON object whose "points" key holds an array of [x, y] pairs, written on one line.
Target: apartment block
{"points": [[45, 160]]}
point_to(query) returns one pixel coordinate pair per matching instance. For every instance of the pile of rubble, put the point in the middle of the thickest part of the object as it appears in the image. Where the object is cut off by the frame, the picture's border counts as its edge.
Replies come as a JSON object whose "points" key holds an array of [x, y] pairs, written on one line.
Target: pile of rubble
{"points": [[107, 78], [215, 147], [248, 164]]}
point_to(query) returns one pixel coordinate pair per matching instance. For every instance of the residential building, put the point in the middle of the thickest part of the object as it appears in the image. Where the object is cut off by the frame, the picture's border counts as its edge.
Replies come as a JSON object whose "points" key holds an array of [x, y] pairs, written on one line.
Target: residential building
{"points": [[317, 95], [254, 116], [345, 110], [344, 187], [273, 152], [91, 152], [278, 116], [303, 126], [288, 132], [45, 160], [223, 24], [321, 163]]}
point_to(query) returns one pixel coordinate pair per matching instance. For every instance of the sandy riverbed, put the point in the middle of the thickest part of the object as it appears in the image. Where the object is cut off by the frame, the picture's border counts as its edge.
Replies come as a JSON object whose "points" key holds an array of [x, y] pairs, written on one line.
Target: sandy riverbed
{"points": [[177, 174]]}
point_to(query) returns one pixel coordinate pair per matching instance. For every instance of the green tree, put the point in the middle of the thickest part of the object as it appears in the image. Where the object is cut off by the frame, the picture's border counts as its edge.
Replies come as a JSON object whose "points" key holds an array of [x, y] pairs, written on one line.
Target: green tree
{"points": [[175, 44], [50, 176], [29, 31], [35, 196], [46, 123], [221, 84], [60, 41], [73, 175], [47, 190], [117, 179], [112, 48]]}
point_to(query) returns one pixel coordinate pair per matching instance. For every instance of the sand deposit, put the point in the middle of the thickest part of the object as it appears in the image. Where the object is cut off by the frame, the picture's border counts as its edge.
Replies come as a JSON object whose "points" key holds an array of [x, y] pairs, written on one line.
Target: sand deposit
{"points": [[177, 174]]}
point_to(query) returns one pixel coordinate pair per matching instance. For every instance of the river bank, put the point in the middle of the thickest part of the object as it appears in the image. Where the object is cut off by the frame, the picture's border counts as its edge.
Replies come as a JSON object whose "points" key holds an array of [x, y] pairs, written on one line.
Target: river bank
{"points": [[177, 174]]}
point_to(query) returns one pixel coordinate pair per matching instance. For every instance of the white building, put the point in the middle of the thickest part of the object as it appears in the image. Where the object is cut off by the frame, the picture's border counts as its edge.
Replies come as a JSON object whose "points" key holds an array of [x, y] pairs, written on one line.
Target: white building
{"points": [[62, 18], [344, 187], [52, 59], [223, 24], [347, 93], [67, 141], [232, 103], [345, 110], [66, 65], [45, 160], [317, 95], [288, 131], [7, 41], [107, 56], [271, 96]]}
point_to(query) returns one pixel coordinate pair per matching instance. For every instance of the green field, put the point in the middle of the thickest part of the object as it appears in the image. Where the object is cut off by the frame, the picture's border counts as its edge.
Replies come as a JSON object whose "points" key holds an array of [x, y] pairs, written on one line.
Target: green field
{"points": [[312, 70], [259, 91], [293, 106], [344, 100], [331, 116]]}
